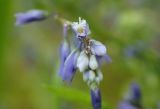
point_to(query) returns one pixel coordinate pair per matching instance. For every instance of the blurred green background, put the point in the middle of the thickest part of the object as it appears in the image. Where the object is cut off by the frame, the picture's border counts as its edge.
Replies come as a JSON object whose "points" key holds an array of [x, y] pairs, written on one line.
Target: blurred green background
{"points": [[29, 54]]}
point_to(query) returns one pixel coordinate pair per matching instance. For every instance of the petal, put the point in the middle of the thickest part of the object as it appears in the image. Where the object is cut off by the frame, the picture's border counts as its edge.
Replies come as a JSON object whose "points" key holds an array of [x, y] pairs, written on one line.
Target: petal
{"points": [[96, 98], [101, 59], [92, 76], [70, 67], [99, 76], [64, 53], [97, 48], [82, 62], [30, 16], [93, 64]]}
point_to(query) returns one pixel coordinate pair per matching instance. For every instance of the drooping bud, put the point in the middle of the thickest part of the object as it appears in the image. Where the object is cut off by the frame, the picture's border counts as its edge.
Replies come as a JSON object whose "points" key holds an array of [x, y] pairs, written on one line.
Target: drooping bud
{"points": [[93, 64], [96, 98], [64, 53], [30, 16], [82, 62], [97, 48]]}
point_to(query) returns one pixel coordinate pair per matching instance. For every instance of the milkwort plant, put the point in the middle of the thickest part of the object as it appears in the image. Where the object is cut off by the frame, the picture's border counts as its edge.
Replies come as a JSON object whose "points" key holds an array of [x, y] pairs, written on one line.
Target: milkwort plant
{"points": [[86, 54]]}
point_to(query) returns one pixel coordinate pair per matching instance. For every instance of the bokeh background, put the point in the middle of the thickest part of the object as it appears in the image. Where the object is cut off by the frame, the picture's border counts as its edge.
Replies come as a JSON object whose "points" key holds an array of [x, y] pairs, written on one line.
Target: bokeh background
{"points": [[29, 54]]}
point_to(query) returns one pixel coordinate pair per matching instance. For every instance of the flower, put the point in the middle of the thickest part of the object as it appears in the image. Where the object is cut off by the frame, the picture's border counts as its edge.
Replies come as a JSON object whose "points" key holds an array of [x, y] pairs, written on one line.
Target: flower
{"points": [[97, 48], [70, 67], [81, 28], [30, 16], [64, 53], [96, 98]]}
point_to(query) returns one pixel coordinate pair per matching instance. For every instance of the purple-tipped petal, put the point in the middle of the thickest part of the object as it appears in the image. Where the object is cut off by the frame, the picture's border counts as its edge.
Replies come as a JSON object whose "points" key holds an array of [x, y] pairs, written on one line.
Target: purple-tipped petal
{"points": [[97, 48], [126, 105], [96, 98], [30, 16], [102, 59], [70, 67], [64, 53]]}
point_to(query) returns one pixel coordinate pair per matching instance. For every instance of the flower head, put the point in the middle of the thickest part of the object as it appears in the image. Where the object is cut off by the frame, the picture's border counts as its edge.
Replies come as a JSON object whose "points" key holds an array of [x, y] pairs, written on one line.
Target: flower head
{"points": [[30, 16], [81, 28]]}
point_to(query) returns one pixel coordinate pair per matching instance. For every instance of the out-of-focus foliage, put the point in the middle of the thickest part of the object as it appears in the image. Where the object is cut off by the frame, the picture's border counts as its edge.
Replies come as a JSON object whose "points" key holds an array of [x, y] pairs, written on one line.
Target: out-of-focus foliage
{"points": [[29, 54]]}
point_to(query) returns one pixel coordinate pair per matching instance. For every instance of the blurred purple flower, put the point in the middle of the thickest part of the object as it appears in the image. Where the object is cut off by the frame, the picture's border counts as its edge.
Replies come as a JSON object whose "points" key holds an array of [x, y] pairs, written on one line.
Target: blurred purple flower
{"points": [[96, 98], [133, 101], [30, 16], [136, 92], [126, 105], [64, 53], [70, 67]]}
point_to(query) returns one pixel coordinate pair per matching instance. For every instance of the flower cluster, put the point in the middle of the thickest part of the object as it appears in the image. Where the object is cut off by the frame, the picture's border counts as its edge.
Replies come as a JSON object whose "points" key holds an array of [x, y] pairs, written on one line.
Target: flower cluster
{"points": [[86, 55]]}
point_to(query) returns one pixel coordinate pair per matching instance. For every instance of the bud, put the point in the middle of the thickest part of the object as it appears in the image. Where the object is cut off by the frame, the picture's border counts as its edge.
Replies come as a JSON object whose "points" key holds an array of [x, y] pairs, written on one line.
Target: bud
{"points": [[96, 98], [92, 75], [82, 62], [93, 64], [64, 53], [30, 16]]}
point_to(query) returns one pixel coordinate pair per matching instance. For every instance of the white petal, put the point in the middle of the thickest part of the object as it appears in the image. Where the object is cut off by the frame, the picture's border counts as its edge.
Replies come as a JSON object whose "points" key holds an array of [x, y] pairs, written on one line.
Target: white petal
{"points": [[93, 64], [97, 48], [85, 76], [100, 75], [82, 62], [92, 75]]}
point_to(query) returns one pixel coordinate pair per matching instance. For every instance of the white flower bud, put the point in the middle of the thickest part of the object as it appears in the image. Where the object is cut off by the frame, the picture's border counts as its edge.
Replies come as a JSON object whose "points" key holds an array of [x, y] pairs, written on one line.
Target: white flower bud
{"points": [[93, 64], [100, 75], [82, 62], [92, 75]]}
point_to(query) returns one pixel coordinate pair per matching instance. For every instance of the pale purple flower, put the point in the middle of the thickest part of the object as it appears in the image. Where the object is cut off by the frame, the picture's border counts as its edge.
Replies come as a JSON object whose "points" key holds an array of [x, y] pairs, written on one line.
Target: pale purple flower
{"points": [[70, 67], [30, 16], [64, 53], [81, 28], [96, 98]]}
